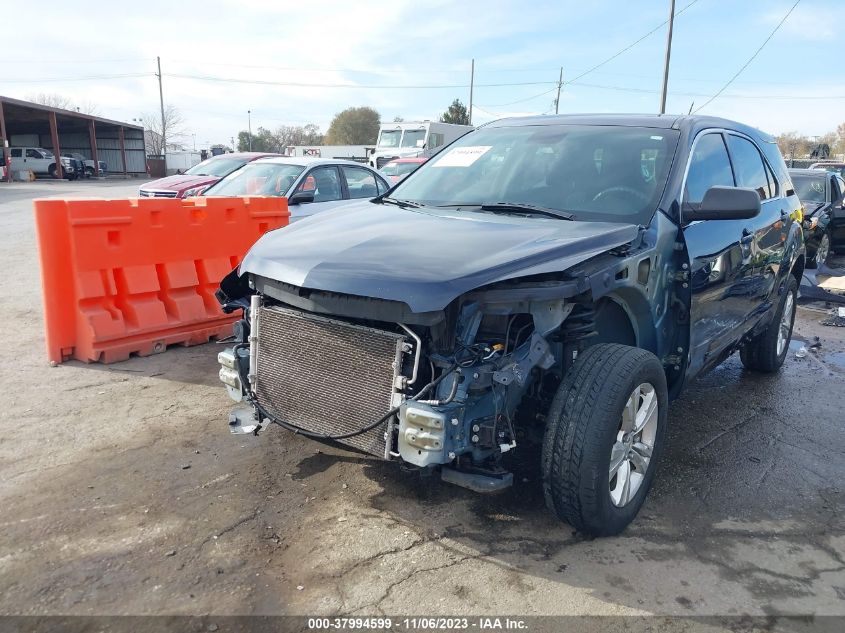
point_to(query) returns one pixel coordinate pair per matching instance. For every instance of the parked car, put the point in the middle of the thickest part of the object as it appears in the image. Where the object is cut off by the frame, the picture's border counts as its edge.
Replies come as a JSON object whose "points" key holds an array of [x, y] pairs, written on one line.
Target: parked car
{"points": [[397, 169], [821, 192], [78, 162], [310, 184], [87, 164], [41, 162], [195, 180], [830, 165], [477, 307]]}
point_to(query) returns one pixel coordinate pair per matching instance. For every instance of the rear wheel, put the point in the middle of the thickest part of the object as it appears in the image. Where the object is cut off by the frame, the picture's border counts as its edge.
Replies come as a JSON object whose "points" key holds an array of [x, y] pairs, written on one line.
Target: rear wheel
{"points": [[605, 432], [767, 351]]}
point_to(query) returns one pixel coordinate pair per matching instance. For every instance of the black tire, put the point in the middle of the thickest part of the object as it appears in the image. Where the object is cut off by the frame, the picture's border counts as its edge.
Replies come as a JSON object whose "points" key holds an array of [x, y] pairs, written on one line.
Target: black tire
{"points": [[581, 430], [821, 251], [51, 171], [89, 172], [761, 353]]}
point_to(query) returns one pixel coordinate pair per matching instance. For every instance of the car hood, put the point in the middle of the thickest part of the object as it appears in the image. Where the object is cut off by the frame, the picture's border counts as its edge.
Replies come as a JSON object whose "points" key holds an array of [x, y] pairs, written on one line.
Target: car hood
{"points": [[179, 182], [423, 257], [811, 208]]}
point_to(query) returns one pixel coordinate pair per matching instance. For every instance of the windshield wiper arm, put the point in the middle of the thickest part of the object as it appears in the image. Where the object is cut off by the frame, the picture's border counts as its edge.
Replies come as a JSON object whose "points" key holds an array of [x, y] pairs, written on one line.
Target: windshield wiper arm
{"points": [[506, 207], [401, 203]]}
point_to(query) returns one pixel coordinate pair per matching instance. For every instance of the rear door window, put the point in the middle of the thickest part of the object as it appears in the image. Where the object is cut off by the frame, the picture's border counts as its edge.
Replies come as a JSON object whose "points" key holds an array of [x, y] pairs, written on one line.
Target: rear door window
{"points": [[360, 182], [748, 166], [16, 153], [709, 166]]}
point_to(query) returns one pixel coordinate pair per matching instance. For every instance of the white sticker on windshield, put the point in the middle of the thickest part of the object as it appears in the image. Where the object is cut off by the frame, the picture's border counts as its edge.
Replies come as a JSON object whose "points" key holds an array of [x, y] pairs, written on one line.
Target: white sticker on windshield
{"points": [[462, 156]]}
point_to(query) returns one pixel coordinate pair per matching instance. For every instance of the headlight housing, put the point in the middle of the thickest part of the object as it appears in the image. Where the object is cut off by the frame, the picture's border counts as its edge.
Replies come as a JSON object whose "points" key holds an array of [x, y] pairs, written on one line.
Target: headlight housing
{"points": [[194, 191]]}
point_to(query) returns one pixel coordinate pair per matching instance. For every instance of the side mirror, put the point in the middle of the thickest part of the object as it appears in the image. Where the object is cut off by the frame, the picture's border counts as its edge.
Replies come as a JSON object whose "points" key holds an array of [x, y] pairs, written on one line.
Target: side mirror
{"points": [[301, 197], [724, 203]]}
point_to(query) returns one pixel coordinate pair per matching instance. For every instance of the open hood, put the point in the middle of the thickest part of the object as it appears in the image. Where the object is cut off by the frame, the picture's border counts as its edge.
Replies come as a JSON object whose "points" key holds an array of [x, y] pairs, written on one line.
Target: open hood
{"points": [[423, 257]]}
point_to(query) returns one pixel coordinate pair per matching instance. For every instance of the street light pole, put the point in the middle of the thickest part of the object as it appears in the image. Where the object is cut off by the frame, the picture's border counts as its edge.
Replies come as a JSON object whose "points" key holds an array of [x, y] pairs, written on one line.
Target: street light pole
{"points": [[249, 120], [668, 55]]}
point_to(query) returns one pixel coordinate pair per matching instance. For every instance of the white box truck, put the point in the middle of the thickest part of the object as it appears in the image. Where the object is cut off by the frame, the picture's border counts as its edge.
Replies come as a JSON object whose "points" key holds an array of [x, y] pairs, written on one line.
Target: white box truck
{"points": [[411, 139]]}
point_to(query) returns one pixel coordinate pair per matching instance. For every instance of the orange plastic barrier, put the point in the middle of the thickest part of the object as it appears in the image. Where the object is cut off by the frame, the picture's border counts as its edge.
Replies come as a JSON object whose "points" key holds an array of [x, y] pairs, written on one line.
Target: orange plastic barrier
{"points": [[133, 276]]}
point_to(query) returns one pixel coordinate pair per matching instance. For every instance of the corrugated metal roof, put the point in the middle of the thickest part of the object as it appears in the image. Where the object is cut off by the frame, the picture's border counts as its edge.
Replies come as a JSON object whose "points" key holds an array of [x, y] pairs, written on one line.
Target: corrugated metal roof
{"points": [[67, 113]]}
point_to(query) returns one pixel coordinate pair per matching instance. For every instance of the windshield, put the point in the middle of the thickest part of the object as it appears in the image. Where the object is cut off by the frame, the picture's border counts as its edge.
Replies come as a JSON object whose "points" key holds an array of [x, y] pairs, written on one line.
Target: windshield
{"points": [[389, 138], [216, 167], [809, 188], [605, 173], [412, 137], [257, 179], [399, 169]]}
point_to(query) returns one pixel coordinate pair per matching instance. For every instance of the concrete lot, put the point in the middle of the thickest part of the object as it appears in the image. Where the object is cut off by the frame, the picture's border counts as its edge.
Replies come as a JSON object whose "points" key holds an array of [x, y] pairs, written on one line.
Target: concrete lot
{"points": [[122, 492]]}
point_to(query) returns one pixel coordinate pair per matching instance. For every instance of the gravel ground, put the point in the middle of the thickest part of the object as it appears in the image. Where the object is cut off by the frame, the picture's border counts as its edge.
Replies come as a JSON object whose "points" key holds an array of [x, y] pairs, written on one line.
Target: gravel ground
{"points": [[122, 492]]}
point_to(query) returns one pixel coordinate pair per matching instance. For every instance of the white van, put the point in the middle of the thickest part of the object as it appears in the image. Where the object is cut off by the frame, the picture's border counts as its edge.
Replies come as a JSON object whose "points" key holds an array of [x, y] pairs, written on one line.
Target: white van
{"points": [[412, 139], [40, 161]]}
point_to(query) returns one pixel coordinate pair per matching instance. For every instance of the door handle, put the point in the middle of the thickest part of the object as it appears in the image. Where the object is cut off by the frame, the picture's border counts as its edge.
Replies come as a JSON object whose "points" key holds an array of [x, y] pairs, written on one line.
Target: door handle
{"points": [[747, 237]]}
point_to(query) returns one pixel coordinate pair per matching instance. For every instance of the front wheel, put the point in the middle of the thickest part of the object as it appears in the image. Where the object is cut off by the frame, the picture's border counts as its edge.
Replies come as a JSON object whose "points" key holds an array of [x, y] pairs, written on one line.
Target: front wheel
{"points": [[822, 251], [605, 432], [767, 351]]}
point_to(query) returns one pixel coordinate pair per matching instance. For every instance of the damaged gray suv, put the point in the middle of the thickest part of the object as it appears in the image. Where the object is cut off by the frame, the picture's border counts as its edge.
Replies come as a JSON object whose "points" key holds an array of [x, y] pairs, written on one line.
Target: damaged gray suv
{"points": [[546, 280]]}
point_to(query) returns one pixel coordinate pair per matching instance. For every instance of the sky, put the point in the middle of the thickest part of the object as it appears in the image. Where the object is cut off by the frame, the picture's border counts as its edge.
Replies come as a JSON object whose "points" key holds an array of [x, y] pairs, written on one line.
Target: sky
{"points": [[292, 63]]}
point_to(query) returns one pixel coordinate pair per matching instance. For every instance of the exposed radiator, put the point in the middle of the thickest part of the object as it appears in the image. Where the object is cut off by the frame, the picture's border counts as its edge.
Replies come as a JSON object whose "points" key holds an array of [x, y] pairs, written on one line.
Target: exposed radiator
{"points": [[327, 376]]}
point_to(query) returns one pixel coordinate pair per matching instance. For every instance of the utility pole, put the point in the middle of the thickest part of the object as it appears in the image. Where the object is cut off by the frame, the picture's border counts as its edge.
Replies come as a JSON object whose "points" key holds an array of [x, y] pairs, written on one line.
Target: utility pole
{"points": [[668, 54], [471, 86], [163, 125], [559, 84], [249, 124]]}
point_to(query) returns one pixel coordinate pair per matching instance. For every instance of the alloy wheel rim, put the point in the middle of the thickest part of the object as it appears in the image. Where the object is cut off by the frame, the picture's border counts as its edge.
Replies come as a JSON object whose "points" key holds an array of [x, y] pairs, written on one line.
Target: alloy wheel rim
{"points": [[631, 452], [823, 250], [785, 327]]}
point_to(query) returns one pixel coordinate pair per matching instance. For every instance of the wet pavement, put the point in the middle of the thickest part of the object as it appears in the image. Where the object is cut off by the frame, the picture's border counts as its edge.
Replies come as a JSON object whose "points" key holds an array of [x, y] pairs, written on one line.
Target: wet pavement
{"points": [[121, 491]]}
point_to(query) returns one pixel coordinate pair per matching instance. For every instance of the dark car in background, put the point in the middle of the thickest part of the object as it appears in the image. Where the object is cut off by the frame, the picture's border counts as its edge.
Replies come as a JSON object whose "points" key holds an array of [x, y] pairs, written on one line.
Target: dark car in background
{"points": [[830, 165], [196, 179], [550, 280], [821, 192]]}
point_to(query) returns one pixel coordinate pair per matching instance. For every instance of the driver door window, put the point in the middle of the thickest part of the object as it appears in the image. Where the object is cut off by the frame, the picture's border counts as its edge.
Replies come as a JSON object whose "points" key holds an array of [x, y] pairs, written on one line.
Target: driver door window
{"points": [[709, 166], [748, 166], [324, 182]]}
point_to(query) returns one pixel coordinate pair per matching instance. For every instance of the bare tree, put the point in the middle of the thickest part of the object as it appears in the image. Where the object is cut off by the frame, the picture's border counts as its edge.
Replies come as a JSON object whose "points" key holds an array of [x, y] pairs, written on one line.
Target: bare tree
{"points": [[55, 100], [51, 99], [155, 136]]}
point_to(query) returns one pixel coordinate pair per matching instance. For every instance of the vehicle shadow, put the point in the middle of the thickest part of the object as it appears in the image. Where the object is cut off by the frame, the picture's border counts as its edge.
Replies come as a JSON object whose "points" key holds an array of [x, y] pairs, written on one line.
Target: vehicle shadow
{"points": [[735, 478]]}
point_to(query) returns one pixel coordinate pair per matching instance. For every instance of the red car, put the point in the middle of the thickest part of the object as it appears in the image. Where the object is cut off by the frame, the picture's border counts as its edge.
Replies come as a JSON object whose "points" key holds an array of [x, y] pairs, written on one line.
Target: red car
{"points": [[397, 169], [197, 178]]}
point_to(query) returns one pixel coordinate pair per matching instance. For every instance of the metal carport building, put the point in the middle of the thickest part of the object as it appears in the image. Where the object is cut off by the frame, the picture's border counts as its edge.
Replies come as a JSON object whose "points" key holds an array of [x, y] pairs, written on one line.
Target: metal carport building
{"points": [[119, 145]]}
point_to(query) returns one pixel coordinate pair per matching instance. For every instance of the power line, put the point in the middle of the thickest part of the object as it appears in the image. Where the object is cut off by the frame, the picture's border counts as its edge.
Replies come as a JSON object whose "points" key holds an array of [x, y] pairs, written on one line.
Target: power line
{"points": [[630, 46], [299, 84], [82, 78], [542, 94], [750, 59]]}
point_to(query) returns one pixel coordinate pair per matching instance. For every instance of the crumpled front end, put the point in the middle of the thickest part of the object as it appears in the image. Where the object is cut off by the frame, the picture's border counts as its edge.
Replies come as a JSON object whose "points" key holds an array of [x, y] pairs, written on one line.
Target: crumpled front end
{"points": [[443, 392]]}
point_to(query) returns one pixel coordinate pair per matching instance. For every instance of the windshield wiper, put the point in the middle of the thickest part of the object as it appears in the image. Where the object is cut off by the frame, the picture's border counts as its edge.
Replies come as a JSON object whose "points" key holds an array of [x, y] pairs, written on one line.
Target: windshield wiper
{"points": [[510, 207], [401, 203]]}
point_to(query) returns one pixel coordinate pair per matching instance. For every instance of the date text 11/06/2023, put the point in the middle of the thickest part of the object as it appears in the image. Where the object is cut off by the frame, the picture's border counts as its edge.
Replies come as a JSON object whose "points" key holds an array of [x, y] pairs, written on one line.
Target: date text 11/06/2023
{"points": [[417, 624]]}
